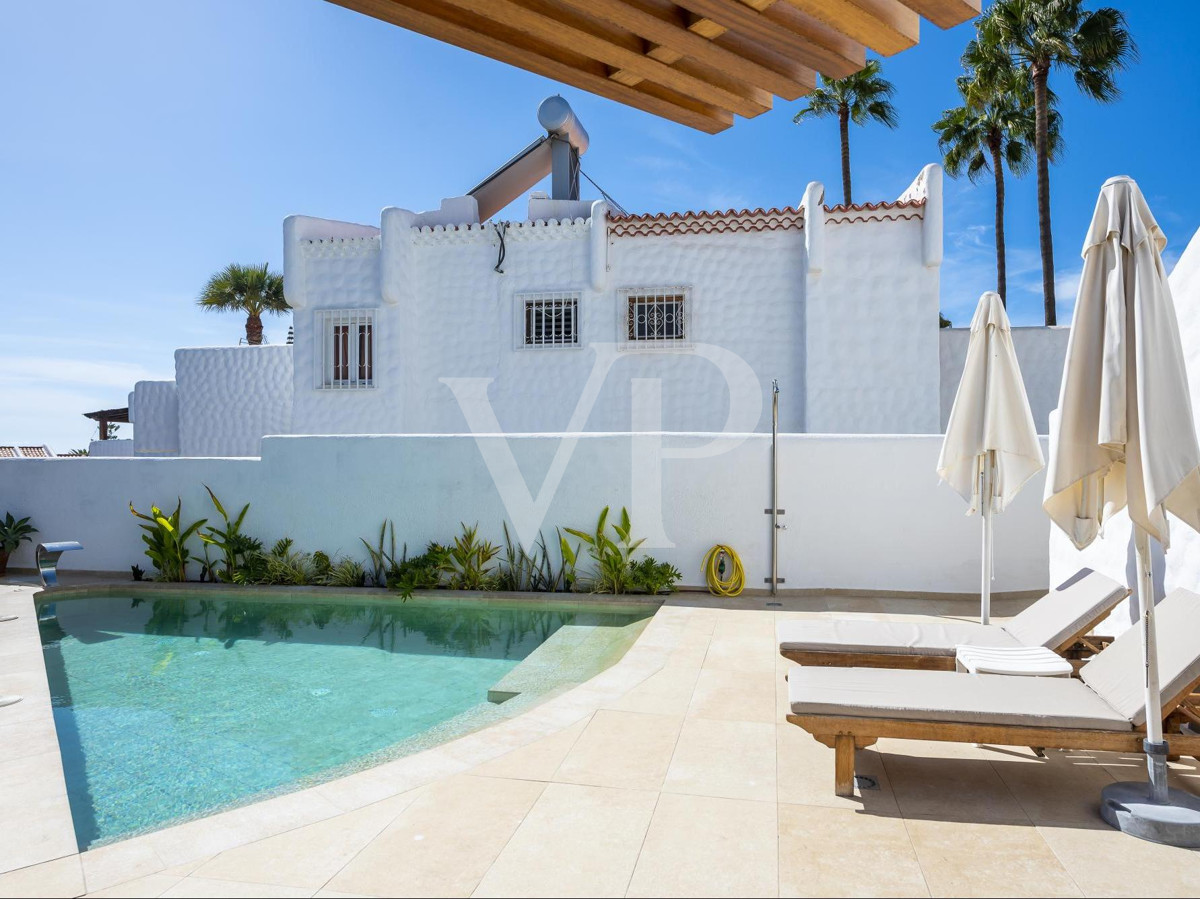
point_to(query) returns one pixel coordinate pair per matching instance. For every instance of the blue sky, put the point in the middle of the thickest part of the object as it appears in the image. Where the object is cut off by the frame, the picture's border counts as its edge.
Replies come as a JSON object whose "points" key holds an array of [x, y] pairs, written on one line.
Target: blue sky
{"points": [[147, 144]]}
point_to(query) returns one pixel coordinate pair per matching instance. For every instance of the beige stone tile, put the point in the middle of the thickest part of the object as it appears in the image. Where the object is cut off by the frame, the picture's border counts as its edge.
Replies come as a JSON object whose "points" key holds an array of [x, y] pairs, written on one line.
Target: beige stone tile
{"points": [[959, 789], [839, 852], [700, 846], [734, 696], [308, 856], [147, 887], [730, 759], [742, 652], [537, 761], [119, 863], [186, 868], [965, 859], [1106, 862], [60, 877], [805, 775], [622, 749], [669, 692], [444, 842], [208, 836], [334, 894], [1063, 788], [203, 888], [575, 841], [35, 816]]}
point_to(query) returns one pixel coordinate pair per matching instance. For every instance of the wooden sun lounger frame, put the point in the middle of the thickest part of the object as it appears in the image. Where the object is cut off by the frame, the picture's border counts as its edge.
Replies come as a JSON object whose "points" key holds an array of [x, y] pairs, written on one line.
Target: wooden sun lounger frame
{"points": [[1078, 645], [846, 735]]}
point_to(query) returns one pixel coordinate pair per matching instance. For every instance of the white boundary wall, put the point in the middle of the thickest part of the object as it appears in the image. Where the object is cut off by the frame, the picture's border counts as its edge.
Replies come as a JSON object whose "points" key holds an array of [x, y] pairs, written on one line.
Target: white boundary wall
{"points": [[863, 512]]}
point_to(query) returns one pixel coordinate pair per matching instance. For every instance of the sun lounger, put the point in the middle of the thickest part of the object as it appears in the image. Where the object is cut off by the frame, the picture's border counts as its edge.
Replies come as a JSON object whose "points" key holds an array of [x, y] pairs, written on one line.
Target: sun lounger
{"points": [[850, 708], [1056, 621]]}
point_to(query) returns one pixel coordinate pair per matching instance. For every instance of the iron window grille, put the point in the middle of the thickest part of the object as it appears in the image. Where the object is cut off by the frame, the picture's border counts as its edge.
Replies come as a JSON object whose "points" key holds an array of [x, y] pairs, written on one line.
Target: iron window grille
{"points": [[347, 349], [548, 320], [655, 318]]}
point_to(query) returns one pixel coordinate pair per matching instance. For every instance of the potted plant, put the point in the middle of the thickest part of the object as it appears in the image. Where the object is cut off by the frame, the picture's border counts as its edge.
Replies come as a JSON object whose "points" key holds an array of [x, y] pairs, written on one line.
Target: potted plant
{"points": [[13, 532]]}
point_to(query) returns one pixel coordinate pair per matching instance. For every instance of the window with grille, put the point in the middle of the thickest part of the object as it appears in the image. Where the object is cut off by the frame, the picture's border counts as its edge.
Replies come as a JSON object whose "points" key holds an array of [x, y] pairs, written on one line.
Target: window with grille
{"points": [[347, 349], [548, 320], [655, 316]]}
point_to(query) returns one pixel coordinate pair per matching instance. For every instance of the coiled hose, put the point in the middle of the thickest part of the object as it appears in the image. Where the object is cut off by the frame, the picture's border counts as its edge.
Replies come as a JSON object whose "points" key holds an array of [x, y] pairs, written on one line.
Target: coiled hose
{"points": [[723, 571]]}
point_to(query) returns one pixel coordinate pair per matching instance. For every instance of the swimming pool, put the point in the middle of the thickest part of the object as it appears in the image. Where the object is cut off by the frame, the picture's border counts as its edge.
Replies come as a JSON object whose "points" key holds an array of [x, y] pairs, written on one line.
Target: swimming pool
{"points": [[173, 706]]}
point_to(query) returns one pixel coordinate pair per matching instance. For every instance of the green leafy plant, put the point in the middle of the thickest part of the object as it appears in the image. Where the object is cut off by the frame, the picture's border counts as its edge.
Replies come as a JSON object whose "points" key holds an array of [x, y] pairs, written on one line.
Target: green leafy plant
{"points": [[139, 574], [228, 540], [13, 532], [423, 572], [346, 573], [651, 576], [166, 541], [468, 561], [533, 571], [382, 561], [610, 557]]}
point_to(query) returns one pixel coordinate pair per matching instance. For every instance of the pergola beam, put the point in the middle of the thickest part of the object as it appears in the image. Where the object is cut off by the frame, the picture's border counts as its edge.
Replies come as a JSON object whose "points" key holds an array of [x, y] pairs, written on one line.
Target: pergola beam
{"points": [[696, 62]]}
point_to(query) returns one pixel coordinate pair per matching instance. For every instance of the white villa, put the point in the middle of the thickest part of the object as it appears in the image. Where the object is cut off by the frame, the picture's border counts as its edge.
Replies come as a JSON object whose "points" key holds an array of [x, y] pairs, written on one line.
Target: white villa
{"points": [[665, 314]]}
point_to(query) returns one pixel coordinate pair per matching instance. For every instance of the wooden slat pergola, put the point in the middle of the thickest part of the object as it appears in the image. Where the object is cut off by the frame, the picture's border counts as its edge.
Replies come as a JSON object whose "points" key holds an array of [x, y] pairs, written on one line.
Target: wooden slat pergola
{"points": [[697, 62]]}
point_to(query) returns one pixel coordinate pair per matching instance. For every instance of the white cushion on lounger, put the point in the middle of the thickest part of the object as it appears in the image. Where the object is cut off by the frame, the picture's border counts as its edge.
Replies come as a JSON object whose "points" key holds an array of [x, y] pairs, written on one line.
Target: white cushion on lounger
{"points": [[1117, 674], [951, 697], [920, 638], [1066, 609]]}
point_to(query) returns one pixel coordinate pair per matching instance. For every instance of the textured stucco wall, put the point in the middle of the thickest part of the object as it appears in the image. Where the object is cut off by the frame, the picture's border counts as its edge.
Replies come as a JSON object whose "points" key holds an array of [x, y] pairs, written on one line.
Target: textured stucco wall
{"points": [[119, 447], [1040, 353], [443, 312], [155, 414], [229, 397], [872, 343], [1113, 553], [862, 512]]}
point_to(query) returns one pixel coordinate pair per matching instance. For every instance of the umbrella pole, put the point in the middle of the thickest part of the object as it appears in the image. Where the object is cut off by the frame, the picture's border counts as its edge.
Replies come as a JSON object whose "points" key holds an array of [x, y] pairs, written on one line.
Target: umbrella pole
{"points": [[985, 513], [1155, 745]]}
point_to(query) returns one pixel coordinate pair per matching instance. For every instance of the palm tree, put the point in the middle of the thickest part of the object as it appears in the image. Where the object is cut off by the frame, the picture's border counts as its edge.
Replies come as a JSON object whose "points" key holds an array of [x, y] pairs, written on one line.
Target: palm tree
{"points": [[994, 128], [1040, 35], [252, 289], [860, 98]]}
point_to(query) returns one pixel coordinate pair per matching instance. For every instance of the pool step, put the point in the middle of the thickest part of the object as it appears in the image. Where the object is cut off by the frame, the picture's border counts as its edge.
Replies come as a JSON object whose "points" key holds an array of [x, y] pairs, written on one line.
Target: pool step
{"points": [[572, 654]]}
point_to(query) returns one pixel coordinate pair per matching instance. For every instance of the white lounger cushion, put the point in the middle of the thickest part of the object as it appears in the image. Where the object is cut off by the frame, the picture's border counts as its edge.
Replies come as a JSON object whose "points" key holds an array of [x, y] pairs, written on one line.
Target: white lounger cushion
{"points": [[951, 697], [918, 638], [1117, 673], [1066, 609], [1049, 622]]}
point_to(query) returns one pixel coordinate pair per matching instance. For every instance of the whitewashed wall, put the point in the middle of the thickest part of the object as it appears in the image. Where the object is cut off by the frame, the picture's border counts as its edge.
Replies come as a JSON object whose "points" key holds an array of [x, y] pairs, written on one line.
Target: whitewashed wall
{"points": [[229, 397], [872, 344], [1040, 353], [444, 312], [1113, 553], [154, 412], [863, 512], [118, 447]]}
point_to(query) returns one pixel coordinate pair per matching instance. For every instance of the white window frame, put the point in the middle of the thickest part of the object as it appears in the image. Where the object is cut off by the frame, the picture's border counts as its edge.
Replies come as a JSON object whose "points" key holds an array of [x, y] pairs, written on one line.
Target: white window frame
{"points": [[533, 302], [628, 301], [343, 337]]}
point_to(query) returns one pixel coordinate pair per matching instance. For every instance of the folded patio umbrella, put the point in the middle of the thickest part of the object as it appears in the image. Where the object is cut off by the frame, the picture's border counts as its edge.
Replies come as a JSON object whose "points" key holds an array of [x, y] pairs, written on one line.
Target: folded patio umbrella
{"points": [[991, 448], [1126, 435]]}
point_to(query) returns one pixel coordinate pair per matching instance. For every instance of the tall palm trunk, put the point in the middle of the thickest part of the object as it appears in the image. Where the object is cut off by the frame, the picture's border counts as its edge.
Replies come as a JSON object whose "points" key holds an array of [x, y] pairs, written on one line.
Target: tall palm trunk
{"points": [[844, 124], [1041, 107], [1001, 270], [254, 330]]}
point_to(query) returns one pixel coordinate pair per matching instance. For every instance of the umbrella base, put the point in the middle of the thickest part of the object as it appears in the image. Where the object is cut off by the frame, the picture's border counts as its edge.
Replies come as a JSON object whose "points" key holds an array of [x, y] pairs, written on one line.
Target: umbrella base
{"points": [[1127, 807]]}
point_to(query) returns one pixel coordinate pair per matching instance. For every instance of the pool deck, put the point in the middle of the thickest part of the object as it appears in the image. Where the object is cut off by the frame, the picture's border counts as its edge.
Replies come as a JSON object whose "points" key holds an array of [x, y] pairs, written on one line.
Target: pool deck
{"points": [[672, 773]]}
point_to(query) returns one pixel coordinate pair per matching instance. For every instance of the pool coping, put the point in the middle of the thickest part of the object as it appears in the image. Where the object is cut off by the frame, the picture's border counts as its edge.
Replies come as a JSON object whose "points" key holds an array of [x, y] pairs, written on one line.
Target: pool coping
{"points": [[200, 838]]}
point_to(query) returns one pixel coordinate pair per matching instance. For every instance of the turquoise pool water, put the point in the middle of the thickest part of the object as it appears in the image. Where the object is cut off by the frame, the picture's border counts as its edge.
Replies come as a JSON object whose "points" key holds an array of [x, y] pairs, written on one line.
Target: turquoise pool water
{"points": [[169, 707]]}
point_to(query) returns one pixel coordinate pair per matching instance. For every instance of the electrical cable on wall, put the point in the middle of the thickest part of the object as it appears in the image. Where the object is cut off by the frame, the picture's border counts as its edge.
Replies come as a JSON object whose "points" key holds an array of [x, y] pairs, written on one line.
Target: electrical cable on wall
{"points": [[500, 227]]}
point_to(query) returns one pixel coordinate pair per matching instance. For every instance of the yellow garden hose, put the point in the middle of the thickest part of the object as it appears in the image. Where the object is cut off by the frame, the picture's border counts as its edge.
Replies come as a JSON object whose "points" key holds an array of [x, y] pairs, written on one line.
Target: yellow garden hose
{"points": [[723, 571]]}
